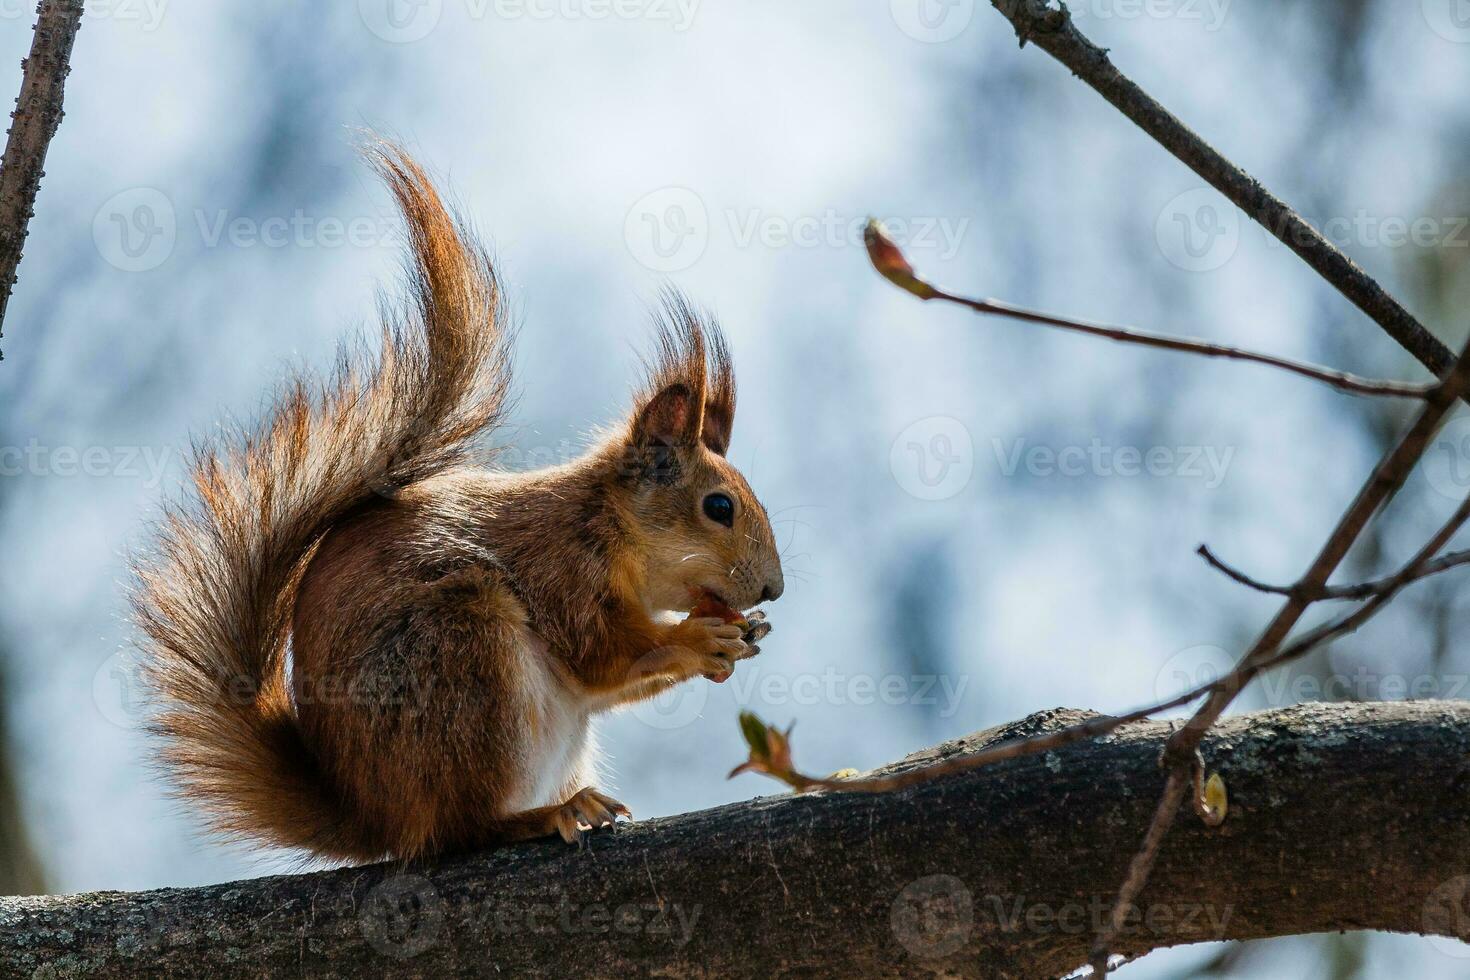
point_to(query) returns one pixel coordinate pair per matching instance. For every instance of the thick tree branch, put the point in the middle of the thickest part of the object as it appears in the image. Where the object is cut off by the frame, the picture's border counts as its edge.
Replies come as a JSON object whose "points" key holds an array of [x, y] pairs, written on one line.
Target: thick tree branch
{"points": [[1341, 817], [35, 120], [1053, 31]]}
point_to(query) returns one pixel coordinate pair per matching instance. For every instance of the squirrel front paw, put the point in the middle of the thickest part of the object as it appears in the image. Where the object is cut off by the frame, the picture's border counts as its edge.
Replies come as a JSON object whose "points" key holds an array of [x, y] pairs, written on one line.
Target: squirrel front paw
{"points": [[754, 628], [714, 645]]}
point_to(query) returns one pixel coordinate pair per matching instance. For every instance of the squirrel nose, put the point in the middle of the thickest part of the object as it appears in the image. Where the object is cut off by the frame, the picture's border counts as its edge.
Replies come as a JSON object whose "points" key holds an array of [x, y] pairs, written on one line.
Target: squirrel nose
{"points": [[773, 591]]}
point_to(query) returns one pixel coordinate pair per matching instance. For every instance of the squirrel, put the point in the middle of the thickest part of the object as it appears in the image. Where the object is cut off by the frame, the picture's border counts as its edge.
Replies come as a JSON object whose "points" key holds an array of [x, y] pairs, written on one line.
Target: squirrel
{"points": [[363, 644]]}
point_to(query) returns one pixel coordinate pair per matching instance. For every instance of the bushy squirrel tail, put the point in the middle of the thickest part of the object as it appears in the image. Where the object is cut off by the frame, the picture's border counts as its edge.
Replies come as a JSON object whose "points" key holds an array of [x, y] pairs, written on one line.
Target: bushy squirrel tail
{"points": [[214, 597]]}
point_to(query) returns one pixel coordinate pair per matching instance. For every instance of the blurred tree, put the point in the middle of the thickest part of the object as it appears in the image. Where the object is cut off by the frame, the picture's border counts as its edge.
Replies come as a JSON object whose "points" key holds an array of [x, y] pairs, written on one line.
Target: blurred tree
{"points": [[20, 869]]}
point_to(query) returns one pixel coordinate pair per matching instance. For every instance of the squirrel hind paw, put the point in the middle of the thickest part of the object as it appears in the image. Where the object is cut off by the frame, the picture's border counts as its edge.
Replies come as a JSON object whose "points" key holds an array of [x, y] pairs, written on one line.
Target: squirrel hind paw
{"points": [[587, 810]]}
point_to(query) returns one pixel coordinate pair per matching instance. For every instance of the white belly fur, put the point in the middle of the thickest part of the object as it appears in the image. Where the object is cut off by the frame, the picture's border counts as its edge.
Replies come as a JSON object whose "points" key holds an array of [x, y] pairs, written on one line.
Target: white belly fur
{"points": [[559, 746]]}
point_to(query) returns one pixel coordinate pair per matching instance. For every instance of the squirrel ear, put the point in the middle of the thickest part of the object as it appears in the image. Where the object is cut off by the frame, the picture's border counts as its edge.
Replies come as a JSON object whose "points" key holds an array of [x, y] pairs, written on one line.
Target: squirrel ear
{"points": [[718, 420], [671, 418], [719, 405], [662, 431]]}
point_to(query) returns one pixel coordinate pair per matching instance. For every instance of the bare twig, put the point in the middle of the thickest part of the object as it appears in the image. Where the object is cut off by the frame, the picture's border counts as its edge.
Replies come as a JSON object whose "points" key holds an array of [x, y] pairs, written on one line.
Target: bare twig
{"points": [[1169, 802], [770, 748], [1053, 32], [889, 261], [780, 766], [1384, 592], [1361, 590], [1139, 868], [35, 120], [1385, 481]]}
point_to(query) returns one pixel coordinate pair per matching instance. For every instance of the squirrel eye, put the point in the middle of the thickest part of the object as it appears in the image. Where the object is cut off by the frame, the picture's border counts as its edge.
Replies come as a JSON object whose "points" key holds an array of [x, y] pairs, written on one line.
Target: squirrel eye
{"points": [[720, 509]]}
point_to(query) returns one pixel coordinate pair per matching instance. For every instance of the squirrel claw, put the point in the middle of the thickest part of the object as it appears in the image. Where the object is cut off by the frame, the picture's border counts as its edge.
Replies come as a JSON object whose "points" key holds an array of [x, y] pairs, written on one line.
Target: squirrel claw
{"points": [[590, 809], [757, 629]]}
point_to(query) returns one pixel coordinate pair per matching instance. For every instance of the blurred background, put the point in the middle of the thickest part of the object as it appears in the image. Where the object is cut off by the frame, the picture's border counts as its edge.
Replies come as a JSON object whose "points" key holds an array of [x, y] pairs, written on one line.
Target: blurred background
{"points": [[980, 519]]}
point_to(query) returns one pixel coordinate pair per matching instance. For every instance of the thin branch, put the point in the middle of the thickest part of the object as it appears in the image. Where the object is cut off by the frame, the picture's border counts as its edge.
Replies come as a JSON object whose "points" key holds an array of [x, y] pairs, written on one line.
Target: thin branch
{"points": [[1380, 487], [1385, 481], [1164, 817], [1361, 590], [1138, 869], [780, 765], [1415, 569], [35, 120], [1236, 575], [770, 747], [889, 261], [1054, 32], [770, 750]]}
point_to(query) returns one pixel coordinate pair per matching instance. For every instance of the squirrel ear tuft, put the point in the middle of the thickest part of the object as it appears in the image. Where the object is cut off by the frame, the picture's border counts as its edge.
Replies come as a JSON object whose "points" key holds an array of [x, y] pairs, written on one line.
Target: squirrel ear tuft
{"points": [[719, 405], [716, 431], [670, 418]]}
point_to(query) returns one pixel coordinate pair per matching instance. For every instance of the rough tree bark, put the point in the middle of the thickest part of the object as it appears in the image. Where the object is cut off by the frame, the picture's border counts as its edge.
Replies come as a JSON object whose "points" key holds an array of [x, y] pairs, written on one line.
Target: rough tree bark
{"points": [[1344, 816], [35, 120]]}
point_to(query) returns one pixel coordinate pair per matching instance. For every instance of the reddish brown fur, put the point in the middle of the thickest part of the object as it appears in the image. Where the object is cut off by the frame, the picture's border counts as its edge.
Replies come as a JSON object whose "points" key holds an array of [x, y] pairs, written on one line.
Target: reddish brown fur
{"points": [[449, 627]]}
